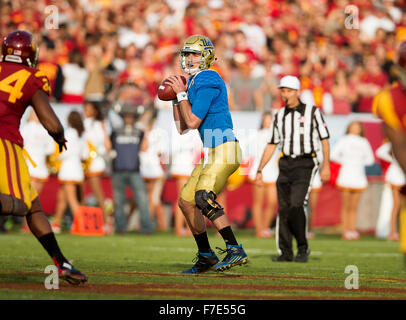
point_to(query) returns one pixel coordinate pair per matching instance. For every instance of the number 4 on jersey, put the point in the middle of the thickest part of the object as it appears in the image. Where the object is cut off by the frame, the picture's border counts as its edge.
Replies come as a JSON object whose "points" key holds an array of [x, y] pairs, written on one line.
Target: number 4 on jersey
{"points": [[14, 83]]}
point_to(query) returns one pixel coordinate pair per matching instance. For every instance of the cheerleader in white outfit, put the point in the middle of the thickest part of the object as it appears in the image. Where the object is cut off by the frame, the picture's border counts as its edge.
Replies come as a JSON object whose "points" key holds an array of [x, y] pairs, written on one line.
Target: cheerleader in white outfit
{"points": [[152, 161], [353, 152], [185, 154], [396, 178], [71, 175], [39, 145], [264, 194], [96, 135]]}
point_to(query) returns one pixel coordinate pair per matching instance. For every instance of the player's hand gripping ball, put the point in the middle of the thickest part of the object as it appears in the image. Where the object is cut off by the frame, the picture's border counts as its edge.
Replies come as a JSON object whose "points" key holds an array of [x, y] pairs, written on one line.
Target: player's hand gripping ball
{"points": [[166, 92]]}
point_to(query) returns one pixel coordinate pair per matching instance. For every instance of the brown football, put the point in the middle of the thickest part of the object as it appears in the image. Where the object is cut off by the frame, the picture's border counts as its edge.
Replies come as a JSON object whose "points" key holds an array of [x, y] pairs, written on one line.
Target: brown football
{"points": [[165, 91]]}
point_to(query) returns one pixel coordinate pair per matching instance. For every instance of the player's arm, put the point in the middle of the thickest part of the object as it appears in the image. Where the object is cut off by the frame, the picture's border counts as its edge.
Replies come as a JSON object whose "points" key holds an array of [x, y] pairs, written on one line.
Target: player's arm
{"points": [[48, 118], [177, 116], [398, 140], [185, 108], [192, 121]]}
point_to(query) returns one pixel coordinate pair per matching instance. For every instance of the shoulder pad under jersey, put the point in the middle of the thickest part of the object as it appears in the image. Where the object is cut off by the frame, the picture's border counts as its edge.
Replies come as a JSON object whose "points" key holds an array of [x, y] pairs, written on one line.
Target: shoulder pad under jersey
{"points": [[207, 79]]}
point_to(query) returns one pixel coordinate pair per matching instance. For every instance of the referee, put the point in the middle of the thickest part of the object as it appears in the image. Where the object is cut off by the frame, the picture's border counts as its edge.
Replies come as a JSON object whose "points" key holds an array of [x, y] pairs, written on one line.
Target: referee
{"points": [[298, 128]]}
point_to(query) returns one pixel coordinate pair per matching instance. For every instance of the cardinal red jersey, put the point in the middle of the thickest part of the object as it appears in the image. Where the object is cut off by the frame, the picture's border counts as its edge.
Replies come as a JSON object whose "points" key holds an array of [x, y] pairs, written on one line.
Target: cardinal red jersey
{"points": [[390, 106], [18, 83]]}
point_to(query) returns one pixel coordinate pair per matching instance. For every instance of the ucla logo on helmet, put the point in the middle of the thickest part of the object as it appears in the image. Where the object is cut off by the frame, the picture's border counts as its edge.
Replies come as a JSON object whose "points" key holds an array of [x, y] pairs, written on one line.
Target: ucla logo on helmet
{"points": [[206, 43]]}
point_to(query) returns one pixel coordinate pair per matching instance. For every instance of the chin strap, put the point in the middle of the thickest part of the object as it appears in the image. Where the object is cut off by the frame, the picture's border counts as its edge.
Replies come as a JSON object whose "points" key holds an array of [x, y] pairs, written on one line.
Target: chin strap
{"points": [[192, 72]]}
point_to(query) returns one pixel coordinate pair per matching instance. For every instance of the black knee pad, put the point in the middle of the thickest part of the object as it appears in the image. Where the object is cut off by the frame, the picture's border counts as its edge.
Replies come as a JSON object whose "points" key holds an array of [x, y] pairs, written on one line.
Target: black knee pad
{"points": [[13, 206], [206, 202]]}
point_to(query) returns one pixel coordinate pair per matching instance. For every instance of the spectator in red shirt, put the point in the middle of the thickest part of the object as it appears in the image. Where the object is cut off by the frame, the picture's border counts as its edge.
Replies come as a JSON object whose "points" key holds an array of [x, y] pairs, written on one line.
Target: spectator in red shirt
{"points": [[190, 18], [342, 94], [372, 81], [241, 47]]}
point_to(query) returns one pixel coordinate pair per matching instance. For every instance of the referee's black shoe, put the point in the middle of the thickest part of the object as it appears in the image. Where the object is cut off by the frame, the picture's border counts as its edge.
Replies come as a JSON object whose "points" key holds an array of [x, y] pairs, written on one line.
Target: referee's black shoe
{"points": [[302, 256], [282, 258]]}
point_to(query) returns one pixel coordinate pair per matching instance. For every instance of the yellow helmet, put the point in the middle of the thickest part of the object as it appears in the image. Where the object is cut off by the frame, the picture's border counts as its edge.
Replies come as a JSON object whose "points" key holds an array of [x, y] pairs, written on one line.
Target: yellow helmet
{"points": [[197, 44]]}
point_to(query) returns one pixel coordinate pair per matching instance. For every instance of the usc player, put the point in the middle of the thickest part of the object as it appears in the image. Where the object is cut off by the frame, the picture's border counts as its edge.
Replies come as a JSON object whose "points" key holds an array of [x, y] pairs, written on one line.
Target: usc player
{"points": [[390, 106], [21, 85]]}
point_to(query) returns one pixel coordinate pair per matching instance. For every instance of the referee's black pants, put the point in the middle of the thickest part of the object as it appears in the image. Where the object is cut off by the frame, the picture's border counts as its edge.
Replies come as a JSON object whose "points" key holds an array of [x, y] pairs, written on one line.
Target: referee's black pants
{"points": [[293, 187]]}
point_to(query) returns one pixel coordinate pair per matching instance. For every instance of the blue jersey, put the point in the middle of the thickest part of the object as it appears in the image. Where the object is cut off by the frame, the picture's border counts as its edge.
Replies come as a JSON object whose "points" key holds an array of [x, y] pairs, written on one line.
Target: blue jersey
{"points": [[207, 93]]}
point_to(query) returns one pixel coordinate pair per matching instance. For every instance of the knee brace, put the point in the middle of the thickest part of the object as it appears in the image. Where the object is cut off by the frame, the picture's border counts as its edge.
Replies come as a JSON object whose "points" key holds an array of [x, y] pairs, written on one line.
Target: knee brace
{"points": [[206, 202], [10, 205]]}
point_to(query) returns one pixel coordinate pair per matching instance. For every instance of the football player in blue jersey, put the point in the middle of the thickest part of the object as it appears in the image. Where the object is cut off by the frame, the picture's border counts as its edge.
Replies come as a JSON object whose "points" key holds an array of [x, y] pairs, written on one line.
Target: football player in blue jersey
{"points": [[203, 104]]}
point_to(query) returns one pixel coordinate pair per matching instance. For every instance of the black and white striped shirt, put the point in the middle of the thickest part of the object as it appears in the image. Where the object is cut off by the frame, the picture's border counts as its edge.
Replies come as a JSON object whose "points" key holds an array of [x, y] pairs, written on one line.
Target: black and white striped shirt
{"points": [[298, 130]]}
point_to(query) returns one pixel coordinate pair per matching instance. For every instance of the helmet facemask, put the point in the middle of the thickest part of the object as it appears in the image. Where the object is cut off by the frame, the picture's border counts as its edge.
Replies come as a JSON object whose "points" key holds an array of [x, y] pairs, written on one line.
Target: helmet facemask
{"points": [[33, 64], [186, 67]]}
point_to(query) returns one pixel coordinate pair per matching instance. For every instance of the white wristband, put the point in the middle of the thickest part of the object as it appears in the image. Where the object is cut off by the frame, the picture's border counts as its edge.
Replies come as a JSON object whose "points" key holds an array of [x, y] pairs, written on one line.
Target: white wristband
{"points": [[181, 96]]}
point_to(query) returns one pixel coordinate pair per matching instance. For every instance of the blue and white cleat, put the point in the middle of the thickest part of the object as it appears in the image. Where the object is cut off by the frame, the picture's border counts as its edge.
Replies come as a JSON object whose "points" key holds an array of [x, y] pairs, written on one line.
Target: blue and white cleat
{"points": [[204, 262], [235, 256]]}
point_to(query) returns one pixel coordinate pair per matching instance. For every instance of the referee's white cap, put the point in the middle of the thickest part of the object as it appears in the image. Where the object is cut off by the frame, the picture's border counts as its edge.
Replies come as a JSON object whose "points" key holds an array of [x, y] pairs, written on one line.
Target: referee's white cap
{"points": [[290, 82]]}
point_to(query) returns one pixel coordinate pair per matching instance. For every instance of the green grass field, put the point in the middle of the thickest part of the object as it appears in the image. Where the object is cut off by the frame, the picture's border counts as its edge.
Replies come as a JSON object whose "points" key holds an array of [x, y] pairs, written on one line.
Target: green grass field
{"points": [[137, 266]]}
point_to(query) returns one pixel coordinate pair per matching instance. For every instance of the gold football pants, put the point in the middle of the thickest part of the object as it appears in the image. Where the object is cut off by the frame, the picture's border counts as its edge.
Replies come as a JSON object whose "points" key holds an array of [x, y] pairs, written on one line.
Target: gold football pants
{"points": [[213, 170], [14, 175]]}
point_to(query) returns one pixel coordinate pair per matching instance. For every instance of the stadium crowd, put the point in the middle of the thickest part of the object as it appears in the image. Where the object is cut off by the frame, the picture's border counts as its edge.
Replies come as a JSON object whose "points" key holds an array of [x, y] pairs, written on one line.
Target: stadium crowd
{"points": [[101, 44], [342, 51]]}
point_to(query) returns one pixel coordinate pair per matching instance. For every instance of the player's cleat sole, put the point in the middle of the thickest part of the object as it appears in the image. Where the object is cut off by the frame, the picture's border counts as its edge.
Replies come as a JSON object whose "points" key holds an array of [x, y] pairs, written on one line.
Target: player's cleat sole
{"points": [[74, 279], [235, 256], [229, 266], [204, 263]]}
